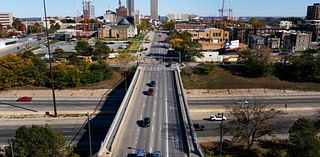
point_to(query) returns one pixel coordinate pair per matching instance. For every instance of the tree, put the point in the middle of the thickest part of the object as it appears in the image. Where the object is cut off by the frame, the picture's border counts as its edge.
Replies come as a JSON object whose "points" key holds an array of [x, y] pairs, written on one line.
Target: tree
{"points": [[143, 26], [66, 76], [37, 141], [250, 121], [182, 43], [54, 27], [96, 72], [18, 25], [83, 48], [257, 64], [256, 23], [169, 26], [101, 50], [302, 136]]}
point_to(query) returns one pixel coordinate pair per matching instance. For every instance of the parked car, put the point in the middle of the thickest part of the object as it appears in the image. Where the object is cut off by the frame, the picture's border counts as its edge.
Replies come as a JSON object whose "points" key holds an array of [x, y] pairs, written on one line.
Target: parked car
{"points": [[198, 127], [24, 99], [140, 153], [217, 117], [243, 102], [146, 121], [151, 91], [156, 154]]}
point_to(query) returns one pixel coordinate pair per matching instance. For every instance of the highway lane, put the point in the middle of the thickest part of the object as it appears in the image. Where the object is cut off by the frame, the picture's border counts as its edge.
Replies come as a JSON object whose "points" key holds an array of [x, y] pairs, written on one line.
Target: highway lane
{"points": [[164, 132]]}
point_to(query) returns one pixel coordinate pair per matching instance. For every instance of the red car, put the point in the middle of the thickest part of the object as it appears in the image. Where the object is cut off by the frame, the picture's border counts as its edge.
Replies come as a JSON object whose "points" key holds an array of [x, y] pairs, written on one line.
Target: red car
{"points": [[151, 91], [25, 98]]}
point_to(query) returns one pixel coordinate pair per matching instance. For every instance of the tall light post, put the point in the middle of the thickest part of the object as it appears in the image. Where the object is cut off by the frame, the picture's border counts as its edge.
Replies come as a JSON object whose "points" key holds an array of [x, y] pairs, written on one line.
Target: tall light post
{"points": [[50, 59]]}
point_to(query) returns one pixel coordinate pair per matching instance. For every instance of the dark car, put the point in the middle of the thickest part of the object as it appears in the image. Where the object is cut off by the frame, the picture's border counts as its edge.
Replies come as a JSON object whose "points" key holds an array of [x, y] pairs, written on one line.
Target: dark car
{"points": [[198, 127], [152, 83], [140, 153], [146, 121], [24, 99], [151, 91]]}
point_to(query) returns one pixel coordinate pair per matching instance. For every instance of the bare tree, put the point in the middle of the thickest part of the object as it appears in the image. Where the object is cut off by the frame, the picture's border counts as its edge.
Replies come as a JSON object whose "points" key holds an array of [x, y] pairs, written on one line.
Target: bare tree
{"points": [[251, 121]]}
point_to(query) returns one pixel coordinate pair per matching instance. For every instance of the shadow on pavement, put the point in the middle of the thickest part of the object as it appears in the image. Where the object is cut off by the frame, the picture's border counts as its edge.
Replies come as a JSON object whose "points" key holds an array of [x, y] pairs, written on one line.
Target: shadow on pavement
{"points": [[19, 107], [101, 123]]}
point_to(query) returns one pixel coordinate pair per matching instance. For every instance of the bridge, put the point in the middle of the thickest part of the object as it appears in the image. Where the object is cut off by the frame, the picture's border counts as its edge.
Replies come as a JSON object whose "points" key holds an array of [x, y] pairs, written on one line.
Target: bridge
{"points": [[171, 130]]}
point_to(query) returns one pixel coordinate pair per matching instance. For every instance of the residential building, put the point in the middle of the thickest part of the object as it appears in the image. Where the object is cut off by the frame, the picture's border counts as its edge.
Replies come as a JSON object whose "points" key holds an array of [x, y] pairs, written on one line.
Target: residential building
{"points": [[110, 17], [286, 24], [6, 19], [274, 43], [311, 26], [210, 38], [88, 9], [313, 12], [298, 41], [182, 26], [122, 11], [130, 6], [154, 9], [178, 17], [243, 33], [256, 42]]}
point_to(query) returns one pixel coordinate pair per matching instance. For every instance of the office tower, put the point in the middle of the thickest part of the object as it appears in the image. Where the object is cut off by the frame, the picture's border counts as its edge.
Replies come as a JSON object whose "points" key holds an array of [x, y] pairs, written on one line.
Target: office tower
{"points": [[154, 9], [313, 12], [6, 19], [130, 6], [122, 11], [88, 9]]}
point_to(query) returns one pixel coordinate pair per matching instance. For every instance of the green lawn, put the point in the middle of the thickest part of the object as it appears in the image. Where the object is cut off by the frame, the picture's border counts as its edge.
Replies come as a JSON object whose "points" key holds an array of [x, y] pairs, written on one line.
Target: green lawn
{"points": [[222, 79]]}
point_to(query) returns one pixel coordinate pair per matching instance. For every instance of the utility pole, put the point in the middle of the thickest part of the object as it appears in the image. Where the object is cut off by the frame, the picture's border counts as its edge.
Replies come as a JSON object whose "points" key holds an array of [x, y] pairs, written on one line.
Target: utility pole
{"points": [[89, 129], [50, 60], [11, 147], [221, 134]]}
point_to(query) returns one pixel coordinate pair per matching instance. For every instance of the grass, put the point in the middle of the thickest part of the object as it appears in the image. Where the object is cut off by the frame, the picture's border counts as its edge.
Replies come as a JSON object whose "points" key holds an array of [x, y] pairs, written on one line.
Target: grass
{"points": [[222, 79]]}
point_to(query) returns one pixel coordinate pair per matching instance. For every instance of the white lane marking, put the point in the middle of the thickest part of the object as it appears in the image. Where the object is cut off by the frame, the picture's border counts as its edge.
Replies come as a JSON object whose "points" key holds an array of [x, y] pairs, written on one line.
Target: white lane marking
{"points": [[166, 112]]}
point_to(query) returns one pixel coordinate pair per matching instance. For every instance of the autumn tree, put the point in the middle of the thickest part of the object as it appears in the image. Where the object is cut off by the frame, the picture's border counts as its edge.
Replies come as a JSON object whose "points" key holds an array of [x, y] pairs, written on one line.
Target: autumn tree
{"points": [[256, 23], [143, 26], [83, 48], [18, 25], [251, 121], [101, 50], [169, 26]]}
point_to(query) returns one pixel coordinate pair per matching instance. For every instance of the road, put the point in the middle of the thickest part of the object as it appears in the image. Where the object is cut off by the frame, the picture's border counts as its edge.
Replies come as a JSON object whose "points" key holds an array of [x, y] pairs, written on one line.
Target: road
{"points": [[164, 133], [307, 107], [22, 44]]}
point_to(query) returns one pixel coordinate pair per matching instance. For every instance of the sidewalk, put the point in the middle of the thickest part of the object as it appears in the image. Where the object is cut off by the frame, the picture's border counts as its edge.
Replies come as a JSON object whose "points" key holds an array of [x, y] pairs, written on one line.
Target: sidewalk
{"points": [[217, 93]]}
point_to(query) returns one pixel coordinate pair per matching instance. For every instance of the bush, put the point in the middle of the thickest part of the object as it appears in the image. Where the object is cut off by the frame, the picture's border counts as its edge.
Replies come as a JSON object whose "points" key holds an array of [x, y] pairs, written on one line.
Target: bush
{"points": [[204, 69]]}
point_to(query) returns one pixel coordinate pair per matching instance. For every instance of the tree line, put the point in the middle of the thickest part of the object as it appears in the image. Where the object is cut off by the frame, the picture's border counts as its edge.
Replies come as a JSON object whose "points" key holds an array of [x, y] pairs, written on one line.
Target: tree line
{"points": [[30, 69]]}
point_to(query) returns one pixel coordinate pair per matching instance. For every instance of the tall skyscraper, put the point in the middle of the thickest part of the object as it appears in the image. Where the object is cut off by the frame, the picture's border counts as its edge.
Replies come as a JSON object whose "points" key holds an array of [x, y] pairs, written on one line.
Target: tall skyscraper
{"points": [[313, 12], [130, 6], [88, 9], [154, 9]]}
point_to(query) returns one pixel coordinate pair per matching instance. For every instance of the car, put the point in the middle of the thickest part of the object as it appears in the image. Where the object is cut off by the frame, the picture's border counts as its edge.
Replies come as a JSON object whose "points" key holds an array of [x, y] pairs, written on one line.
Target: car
{"points": [[140, 153], [217, 117], [151, 91], [198, 127], [243, 102], [24, 99], [152, 83], [156, 154], [146, 121]]}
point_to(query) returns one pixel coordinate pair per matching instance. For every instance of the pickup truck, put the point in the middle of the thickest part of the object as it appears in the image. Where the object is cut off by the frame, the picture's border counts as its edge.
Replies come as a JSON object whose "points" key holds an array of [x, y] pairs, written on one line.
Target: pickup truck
{"points": [[217, 117]]}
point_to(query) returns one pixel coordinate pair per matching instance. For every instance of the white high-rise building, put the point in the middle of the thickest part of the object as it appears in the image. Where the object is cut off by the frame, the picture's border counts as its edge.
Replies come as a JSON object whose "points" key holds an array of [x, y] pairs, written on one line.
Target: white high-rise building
{"points": [[154, 10], [6, 19]]}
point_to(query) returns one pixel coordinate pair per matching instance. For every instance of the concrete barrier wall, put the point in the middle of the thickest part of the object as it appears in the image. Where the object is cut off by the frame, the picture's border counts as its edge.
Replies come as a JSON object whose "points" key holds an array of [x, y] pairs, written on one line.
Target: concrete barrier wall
{"points": [[106, 145], [194, 144]]}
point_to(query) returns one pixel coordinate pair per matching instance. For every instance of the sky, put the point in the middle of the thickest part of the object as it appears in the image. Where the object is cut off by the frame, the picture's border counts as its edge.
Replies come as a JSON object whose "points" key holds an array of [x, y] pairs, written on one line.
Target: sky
{"points": [[34, 8]]}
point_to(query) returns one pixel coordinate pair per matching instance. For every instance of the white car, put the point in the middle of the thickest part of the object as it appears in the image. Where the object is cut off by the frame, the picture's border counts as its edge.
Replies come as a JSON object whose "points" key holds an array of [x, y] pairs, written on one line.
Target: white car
{"points": [[243, 102], [217, 117]]}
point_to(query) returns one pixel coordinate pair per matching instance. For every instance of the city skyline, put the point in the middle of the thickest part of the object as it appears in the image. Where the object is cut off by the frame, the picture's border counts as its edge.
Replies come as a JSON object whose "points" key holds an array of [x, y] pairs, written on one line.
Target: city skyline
{"points": [[33, 8]]}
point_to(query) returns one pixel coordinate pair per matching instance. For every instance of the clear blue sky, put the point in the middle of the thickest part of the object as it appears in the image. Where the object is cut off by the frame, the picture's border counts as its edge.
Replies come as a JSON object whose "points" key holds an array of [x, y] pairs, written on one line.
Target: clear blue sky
{"points": [[33, 8]]}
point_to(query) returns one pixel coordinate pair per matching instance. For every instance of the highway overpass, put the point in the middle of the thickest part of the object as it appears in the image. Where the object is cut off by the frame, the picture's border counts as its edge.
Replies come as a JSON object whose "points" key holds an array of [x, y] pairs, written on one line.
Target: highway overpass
{"points": [[171, 130]]}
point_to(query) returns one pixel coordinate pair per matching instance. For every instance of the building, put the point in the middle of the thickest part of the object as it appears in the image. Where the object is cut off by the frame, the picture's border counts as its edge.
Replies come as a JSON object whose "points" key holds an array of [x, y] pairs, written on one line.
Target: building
{"points": [[274, 43], [215, 57], [256, 42], [182, 26], [110, 17], [210, 35], [297, 42], [154, 9], [124, 29], [286, 24], [178, 17], [6, 19], [88, 9], [130, 6], [311, 26], [313, 12], [122, 11]]}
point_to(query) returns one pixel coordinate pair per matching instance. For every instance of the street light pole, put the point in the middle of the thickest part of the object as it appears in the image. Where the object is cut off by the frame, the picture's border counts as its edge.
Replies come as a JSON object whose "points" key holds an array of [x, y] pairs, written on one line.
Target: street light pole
{"points": [[50, 59], [89, 128], [221, 134]]}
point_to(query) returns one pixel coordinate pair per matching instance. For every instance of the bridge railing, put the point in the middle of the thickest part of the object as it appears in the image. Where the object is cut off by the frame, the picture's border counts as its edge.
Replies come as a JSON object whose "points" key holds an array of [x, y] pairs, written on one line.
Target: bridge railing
{"points": [[106, 145], [194, 146]]}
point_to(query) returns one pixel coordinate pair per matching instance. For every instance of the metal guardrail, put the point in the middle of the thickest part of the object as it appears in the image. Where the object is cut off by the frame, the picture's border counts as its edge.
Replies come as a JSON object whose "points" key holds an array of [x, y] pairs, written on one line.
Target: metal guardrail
{"points": [[196, 146], [106, 145]]}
